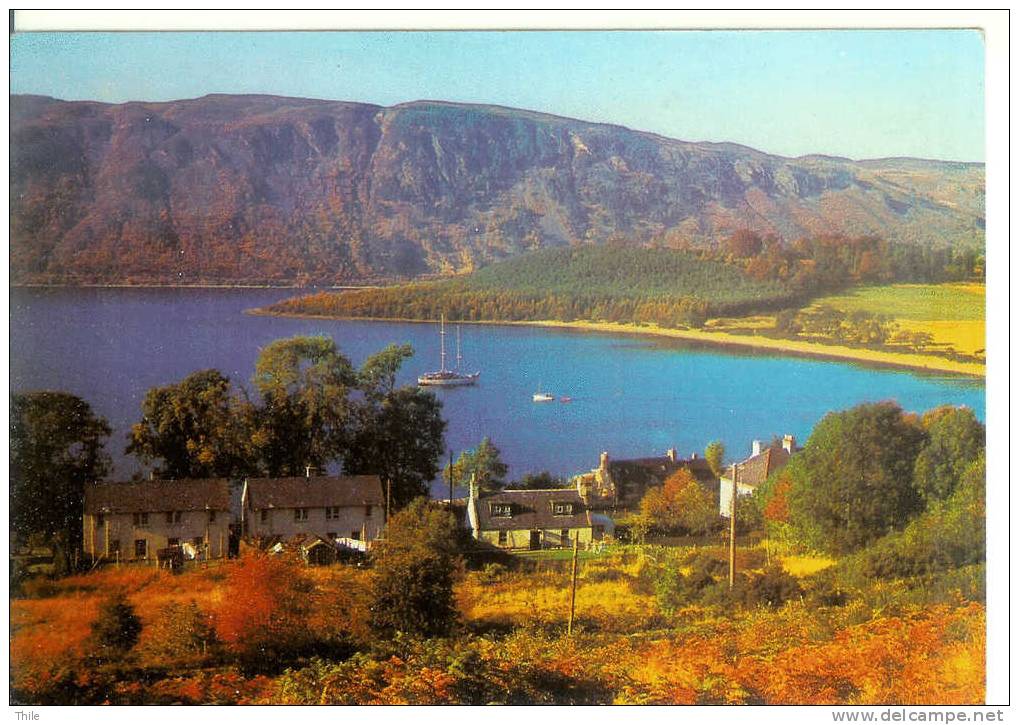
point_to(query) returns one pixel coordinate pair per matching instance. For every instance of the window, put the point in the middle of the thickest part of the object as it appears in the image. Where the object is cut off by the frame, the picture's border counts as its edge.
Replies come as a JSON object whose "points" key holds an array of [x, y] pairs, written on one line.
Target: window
{"points": [[100, 520], [332, 512], [114, 547], [172, 542], [212, 516], [598, 533], [564, 536], [141, 549], [368, 511], [173, 517], [140, 519], [300, 514], [562, 509], [502, 509], [355, 535], [264, 516], [503, 538]]}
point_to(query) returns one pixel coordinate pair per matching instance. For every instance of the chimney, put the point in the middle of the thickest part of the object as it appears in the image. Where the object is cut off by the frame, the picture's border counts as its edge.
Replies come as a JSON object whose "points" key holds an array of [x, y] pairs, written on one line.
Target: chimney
{"points": [[603, 461], [755, 447], [789, 443], [693, 456], [671, 454]]}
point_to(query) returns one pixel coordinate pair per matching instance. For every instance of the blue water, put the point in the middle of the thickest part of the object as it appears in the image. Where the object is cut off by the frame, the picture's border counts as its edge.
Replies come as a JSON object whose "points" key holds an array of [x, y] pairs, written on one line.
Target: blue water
{"points": [[631, 396]]}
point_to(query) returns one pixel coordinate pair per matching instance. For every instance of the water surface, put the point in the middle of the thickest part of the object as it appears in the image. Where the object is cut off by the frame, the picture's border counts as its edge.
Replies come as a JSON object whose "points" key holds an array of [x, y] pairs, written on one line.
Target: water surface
{"points": [[631, 396]]}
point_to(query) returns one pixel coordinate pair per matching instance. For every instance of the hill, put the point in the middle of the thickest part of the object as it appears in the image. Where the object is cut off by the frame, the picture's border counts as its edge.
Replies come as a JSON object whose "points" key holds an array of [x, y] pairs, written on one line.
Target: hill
{"points": [[263, 189]]}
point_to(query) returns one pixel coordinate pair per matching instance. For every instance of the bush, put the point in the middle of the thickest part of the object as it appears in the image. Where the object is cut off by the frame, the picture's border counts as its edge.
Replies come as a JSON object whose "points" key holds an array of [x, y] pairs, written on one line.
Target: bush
{"points": [[263, 618], [414, 571], [179, 632], [115, 631]]}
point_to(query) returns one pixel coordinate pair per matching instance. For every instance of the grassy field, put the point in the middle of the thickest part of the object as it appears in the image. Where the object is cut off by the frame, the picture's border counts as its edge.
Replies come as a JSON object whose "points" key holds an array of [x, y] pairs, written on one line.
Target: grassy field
{"points": [[953, 314]]}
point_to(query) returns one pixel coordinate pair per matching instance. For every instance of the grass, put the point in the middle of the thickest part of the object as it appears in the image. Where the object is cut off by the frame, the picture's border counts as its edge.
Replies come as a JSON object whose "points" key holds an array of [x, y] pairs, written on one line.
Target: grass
{"points": [[953, 314]]}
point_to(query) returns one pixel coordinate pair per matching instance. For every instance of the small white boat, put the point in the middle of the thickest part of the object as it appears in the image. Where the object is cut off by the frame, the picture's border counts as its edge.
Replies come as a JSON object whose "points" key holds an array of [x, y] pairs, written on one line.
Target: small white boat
{"points": [[540, 397]]}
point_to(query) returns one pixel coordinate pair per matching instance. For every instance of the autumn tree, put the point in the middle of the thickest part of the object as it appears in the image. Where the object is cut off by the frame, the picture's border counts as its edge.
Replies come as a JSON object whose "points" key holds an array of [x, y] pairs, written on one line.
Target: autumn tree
{"points": [[955, 440], [192, 428], [852, 482], [680, 504], [305, 412], [56, 447], [415, 568], [482, 464]]}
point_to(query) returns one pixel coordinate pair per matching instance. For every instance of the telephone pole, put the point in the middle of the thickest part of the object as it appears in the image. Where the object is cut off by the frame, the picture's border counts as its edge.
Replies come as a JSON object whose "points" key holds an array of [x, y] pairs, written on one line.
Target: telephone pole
{"points": [[450, 479], [573, 587], [732, 529]]}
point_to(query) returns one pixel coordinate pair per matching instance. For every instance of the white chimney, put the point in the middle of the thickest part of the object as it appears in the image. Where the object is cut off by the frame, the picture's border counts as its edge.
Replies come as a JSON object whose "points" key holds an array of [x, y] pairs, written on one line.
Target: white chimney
{"points": [[603, 462], [789, 443], [671, 454], [756, 448]]}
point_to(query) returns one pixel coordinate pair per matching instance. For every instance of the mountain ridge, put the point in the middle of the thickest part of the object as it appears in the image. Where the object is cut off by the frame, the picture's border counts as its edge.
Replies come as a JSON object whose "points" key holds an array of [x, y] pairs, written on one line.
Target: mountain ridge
{"points": [[256, 187]]}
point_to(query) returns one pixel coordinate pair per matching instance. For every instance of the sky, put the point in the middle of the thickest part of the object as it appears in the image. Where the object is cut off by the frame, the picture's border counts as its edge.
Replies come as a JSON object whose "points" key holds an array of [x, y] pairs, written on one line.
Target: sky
{"points": [[854, 93]]}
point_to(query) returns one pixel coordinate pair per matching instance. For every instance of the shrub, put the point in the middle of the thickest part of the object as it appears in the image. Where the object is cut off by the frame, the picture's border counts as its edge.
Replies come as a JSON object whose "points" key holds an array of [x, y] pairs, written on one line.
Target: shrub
{"points": [[263, 618], [179, 632], [115, 630], [414, 571]]}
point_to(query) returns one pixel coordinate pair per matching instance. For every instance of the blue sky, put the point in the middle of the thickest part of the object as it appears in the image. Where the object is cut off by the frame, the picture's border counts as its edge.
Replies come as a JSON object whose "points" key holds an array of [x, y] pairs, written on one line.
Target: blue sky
{"points": [[862, 94]]}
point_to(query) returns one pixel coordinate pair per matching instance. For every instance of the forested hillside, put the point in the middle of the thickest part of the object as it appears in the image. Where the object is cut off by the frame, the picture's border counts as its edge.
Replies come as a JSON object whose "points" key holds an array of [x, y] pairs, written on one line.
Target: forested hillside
{"points": [[671, 288]]}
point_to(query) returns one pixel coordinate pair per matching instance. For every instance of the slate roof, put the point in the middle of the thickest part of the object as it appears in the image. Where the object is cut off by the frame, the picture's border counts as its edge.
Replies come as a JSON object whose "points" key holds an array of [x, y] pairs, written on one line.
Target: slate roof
{"points": [[755, 470], [634, 476], [314, 491], [189, 494], [532, 510]]}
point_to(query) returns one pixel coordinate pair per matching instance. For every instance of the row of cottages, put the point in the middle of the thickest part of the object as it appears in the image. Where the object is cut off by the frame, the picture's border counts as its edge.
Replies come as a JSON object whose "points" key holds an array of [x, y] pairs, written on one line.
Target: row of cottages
{"points": [[197, 517], [753, 471], [332, 507], [554, 518], [135, 521]]}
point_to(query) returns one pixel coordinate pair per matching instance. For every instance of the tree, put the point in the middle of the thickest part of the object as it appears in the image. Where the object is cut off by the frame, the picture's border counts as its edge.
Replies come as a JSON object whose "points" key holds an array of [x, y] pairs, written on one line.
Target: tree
{"points": [[56, 448], [680, 504], [192, 427], [955, 440], [116, 629], [852, 482], [714, 454], [415, 568], [537, 482], [483, 464], [400, 438], [305, 412]]}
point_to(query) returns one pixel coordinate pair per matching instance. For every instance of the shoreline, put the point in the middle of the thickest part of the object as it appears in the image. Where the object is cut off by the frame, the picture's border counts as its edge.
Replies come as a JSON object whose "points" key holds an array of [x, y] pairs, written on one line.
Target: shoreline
{"points": [[794, 348]]}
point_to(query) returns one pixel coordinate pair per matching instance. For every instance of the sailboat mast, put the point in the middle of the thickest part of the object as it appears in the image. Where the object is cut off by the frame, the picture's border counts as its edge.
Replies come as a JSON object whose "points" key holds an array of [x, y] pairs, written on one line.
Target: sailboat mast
{"points": [[458, 358], [442, 344]]}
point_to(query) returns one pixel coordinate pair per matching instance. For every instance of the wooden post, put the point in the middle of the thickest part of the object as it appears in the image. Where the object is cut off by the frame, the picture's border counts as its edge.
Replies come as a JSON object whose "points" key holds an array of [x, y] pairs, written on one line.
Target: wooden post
{"points": [[573, 586], [389, 488], [92, 537], [106, 538], [220, 544], [451, 480], [732, 530]]}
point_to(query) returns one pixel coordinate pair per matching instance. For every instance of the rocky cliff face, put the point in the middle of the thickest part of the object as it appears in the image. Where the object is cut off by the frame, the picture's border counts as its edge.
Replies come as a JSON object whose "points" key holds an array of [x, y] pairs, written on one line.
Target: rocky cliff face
{"points": [[266, 189]]}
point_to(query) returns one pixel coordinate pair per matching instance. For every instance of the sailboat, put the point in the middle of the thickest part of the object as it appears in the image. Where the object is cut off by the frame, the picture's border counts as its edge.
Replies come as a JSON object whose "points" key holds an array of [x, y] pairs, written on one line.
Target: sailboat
{"points": [[442, 376]]}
